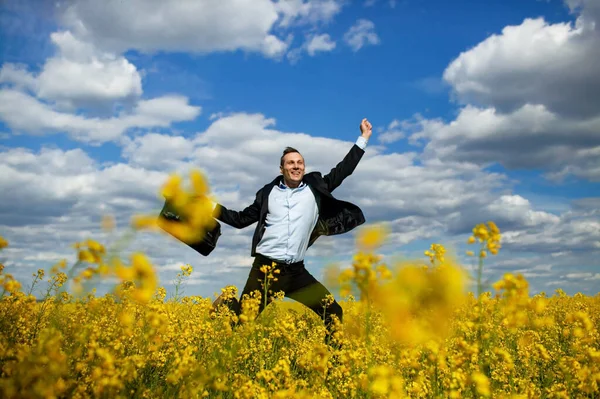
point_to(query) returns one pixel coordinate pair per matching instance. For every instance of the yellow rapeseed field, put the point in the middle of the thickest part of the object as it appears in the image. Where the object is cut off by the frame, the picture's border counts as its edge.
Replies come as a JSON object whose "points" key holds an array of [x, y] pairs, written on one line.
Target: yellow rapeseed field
{"points": [[410, 329]]}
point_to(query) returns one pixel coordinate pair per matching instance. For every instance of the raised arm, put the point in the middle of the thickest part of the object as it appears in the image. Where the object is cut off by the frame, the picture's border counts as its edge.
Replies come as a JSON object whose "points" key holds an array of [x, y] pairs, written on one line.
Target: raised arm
{"points": [[346, 167], [240, 219]]}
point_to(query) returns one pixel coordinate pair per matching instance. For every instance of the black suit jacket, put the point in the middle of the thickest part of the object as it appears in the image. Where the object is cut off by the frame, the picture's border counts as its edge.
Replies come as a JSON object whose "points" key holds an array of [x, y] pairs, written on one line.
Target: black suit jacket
{"points": [[335, 216]]}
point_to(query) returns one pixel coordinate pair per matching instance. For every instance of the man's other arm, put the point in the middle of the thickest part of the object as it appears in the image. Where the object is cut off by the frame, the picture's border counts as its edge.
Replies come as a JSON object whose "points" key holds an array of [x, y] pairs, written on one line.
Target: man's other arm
{"points": [[236, 219]]}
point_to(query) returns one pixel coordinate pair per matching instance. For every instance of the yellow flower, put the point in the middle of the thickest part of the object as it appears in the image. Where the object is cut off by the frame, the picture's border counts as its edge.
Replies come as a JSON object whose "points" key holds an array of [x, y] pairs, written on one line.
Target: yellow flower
{"points": [[3, 243], [12, 286], [95, 246], [418, 302], [436, 253], [143, 222], [482, 383], [92, 254], [85, 256], [490, 237], [87, 273], [187, 270], [172, 187], [199, 185], [145, 276], [372, 237]]}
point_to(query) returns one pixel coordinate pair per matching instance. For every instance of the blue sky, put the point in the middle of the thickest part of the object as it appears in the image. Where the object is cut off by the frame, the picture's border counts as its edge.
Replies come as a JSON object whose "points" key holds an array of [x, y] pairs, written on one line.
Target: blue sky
{"points": [[481, 111]]}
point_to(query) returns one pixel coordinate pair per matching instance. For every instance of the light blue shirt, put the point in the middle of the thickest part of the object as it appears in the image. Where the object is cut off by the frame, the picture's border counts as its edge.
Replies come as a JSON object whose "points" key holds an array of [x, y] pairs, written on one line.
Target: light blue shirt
{"points": [[293, 214]]}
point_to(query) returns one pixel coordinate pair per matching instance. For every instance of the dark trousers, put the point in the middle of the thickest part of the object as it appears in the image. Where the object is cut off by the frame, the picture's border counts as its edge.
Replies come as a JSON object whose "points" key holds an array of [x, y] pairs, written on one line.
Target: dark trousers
{"points": [[297, 284]]}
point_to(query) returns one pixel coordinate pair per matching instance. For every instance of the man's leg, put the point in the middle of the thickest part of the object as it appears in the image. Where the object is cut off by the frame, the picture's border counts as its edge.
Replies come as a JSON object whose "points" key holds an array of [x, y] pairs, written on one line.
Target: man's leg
{"points": [[311, 293], [254, 283]]}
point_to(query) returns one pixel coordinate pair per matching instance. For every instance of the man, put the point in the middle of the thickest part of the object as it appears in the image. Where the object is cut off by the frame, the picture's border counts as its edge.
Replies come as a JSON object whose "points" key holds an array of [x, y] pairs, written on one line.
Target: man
{"points": [[291, 212]]}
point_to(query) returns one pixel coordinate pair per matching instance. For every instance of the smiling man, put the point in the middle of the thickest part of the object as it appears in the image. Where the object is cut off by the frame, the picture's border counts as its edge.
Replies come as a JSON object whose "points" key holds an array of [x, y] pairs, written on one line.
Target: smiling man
{"points": [[292, 211]]}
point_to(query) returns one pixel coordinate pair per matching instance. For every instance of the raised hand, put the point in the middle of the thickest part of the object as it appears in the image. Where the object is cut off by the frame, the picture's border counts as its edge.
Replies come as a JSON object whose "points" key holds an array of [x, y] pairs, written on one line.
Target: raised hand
{"points": [[366, 129]]}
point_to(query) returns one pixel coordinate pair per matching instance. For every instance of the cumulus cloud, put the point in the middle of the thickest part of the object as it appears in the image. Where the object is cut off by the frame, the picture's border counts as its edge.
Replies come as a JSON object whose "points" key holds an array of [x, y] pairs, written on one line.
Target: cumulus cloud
{"points": [[18, 76], [92, 95], [81, 74], [156, 151], [303, 12], [397, 130], [199, 27], [531, 96], [313, 44], [150, 26], [531, 100], [25, 113], [361, 34], [319, 43], [531, 137], [532, 63], [78, 75], [571, 231]]}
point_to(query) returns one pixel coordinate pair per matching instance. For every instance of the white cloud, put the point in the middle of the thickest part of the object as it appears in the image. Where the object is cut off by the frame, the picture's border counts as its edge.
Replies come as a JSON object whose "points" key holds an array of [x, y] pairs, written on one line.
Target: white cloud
{"points": [[24, 113], [313, 44], [362, 33], [154, 150], [199, 26], [532, 100], [302, 12], [530, 137], [78, 75], [534, 63], [18, 76], [587, 276], [516, 209], [262, 26], [319, 43], [397, 130]]}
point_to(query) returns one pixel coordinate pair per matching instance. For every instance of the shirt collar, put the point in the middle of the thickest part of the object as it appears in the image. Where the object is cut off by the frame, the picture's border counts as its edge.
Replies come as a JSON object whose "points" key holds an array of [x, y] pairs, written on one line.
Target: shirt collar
{"points": [[283, 186]]}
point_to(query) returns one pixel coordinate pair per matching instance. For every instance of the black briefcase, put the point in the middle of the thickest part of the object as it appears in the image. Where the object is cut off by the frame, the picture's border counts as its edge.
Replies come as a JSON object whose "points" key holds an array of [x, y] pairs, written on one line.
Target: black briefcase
{"points": [[204, 246]]}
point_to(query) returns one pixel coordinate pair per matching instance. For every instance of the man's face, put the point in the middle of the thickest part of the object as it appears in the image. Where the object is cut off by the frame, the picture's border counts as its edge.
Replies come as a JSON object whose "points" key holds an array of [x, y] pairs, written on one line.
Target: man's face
{"points": [[293, 168]]}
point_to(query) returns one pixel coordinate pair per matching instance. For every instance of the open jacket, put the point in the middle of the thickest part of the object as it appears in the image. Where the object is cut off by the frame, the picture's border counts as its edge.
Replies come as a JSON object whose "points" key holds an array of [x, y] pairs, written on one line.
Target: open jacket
{"points": [[335, 216]]}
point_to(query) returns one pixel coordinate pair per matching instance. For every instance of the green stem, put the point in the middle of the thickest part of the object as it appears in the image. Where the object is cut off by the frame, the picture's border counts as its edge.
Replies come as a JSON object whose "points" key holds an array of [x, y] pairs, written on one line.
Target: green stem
{"points": [[266, 288], [32, 285], [42, 311], [479, 292], [479, 274]]}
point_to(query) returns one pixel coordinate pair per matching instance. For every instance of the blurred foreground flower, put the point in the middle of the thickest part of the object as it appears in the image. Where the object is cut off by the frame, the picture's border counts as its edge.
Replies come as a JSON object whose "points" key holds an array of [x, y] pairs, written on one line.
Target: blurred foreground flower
{"points": [[366, 271], [90, 251], [142, 274], [419, 301], [372, 237], [108, 223], [193, 208]]}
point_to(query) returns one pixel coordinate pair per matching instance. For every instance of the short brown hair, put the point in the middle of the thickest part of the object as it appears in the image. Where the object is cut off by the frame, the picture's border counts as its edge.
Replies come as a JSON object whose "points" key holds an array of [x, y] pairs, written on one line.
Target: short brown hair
{"points": [[287, 150]]}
